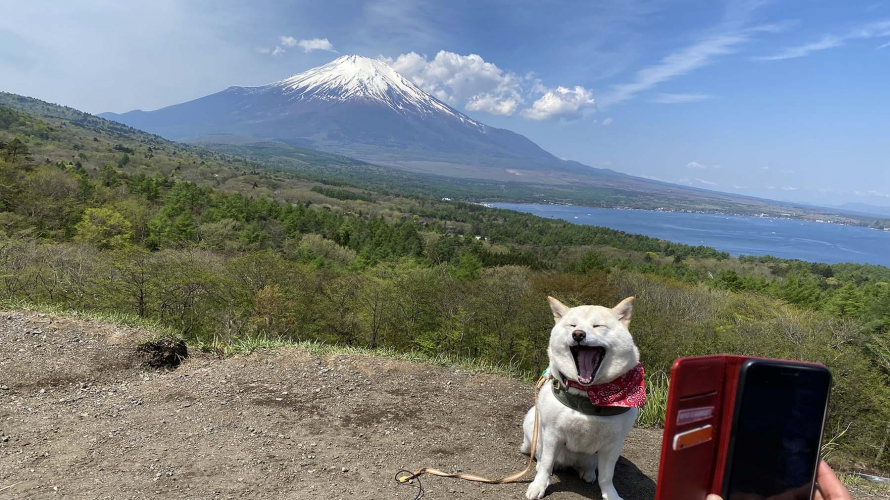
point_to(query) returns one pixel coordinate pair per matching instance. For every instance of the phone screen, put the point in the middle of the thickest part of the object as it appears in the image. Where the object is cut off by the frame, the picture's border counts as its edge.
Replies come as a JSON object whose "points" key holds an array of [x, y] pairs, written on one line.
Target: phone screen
{"points": [[777, 431]]}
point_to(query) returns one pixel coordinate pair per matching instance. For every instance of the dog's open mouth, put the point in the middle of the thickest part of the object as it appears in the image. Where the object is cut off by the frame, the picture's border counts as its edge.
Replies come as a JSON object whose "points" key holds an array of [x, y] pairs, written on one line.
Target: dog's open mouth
{"points": [[587, 360]]}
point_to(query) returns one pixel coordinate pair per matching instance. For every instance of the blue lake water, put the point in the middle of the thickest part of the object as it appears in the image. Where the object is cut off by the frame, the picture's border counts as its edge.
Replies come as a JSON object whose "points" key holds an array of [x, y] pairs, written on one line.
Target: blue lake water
{"points": [[811, 241]]}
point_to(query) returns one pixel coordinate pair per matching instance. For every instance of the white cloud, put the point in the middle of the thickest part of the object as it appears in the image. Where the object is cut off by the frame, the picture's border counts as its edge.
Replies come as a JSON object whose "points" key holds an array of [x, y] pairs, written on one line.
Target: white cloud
{"points": [[680, 98], [306, 45], [479, 85], [650, 177], [789, 188], [764, 168], [786, 171], [316, 44], [561, 102], [608, 121], [457, 79], [879, 29], [740, 187], [884, 46], [706, 183], [491, 104], [263, 50], [684, 180]]}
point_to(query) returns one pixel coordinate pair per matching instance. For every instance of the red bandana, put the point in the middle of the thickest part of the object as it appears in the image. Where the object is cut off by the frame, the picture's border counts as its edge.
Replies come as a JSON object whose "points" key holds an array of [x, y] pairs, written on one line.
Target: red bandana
{"points": [[628, 390]]}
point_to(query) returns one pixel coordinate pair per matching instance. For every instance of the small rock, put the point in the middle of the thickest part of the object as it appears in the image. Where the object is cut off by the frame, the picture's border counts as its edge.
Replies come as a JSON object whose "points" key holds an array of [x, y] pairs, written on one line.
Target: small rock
{"points": [[344, 469], [5, 439]]}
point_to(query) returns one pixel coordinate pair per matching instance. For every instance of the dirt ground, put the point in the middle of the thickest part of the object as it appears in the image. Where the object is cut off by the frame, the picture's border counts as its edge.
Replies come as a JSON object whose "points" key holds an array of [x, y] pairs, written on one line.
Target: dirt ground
{"points": [[80, 417]]}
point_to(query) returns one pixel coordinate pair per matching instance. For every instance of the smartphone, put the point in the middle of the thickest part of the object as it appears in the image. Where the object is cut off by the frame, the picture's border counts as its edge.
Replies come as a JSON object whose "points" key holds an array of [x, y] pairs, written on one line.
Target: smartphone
{"points": [[742, 427], [776, 431]]}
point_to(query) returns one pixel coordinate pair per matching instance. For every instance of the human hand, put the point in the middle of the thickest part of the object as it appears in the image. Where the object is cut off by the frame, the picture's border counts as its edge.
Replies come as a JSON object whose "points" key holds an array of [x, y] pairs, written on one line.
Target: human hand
{"points": [[828, 487]]}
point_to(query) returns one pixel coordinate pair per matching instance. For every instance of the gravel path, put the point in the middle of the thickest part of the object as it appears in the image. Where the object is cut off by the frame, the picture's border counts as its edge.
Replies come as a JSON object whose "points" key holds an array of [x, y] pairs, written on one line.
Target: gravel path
{"points": [[81, 418]]}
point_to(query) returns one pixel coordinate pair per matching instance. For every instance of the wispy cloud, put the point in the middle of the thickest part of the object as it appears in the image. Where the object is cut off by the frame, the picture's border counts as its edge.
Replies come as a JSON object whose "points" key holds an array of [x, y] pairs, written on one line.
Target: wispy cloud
{"points": [[680, 98], [827, 42], [701, 166], [878, 29], [608, 121], [679, 63], [789, 188], [884, 45], [872, 192], [706, 182]]}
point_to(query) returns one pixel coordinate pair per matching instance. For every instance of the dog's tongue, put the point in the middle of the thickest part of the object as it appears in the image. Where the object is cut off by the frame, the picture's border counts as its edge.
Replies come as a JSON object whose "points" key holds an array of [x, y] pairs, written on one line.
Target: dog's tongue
{"points": [[587, 360]]}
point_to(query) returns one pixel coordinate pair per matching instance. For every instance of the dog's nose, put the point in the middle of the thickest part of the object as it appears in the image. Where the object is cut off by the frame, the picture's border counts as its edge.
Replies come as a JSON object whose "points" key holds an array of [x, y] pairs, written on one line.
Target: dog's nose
{"points": [[578, 335]]}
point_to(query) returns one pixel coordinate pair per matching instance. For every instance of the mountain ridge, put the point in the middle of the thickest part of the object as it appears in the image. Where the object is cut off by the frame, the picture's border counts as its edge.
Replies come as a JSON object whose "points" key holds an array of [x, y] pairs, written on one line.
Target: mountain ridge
{"points": [[362, 108]]}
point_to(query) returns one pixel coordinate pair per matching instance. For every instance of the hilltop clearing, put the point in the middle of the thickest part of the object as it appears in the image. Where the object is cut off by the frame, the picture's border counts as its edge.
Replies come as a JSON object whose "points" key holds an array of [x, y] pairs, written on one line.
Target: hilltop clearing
{"points": [[85, 420]]}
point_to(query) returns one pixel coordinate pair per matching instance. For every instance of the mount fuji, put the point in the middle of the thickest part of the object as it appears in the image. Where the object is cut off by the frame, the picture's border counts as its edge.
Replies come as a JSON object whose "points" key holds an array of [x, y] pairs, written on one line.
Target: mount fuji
{"points": [[362, 108]]}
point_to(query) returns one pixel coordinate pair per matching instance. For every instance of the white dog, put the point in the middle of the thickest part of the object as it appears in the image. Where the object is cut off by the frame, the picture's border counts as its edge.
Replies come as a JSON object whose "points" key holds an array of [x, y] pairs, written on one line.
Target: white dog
{"points": [[590, 348]]}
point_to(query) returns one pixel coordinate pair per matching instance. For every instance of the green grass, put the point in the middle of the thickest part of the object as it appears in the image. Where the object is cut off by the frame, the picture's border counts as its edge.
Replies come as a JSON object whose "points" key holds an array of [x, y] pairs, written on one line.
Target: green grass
{"points": [[652, 414], [113, 317], [317, 348], [856, 482]]}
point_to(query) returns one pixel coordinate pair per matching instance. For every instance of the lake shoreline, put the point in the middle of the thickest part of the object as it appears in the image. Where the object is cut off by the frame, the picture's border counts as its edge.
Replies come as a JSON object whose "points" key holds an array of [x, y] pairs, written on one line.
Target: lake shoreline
{"points": [[782, 237]]}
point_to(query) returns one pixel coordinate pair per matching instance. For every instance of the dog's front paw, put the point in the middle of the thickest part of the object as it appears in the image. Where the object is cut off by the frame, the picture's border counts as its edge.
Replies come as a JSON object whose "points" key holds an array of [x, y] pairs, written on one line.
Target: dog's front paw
{"points": [[588, 475], [536, 490], [613, 495]]}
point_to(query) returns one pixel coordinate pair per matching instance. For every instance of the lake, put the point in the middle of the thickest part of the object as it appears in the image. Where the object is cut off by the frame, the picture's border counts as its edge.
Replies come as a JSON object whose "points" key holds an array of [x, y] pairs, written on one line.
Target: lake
{"points": [[789, 239]]}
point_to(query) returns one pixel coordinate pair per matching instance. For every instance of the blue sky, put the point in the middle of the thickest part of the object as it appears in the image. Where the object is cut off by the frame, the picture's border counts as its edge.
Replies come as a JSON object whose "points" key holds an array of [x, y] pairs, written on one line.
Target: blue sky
{"points": [[780, 99]]}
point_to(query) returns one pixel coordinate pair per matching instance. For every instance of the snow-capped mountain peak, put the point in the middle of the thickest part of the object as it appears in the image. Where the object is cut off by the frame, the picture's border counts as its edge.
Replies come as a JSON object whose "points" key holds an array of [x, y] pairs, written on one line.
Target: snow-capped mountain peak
{"points": [[360, 78]]}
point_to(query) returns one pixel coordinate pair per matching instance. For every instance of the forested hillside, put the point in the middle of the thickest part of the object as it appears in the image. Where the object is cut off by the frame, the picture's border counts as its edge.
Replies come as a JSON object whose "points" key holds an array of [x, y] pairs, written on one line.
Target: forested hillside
{"points": [[98, 216]]}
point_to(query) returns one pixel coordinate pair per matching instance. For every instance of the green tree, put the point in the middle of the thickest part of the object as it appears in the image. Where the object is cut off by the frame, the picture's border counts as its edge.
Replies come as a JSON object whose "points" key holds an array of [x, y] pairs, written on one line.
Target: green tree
{"points": [[109, 176], [16, 150], [847, 301], [104, 228], [468, 266]]}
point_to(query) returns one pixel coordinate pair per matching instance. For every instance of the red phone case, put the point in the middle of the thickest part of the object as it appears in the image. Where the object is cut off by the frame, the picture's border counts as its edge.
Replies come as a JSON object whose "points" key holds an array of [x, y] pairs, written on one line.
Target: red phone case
{"points": [[698, 422]]}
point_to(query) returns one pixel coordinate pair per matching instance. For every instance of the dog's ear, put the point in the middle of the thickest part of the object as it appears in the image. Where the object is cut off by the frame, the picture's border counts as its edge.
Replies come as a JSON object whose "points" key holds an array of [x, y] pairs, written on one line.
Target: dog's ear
{"points": [[624, 310], [559, 309]]}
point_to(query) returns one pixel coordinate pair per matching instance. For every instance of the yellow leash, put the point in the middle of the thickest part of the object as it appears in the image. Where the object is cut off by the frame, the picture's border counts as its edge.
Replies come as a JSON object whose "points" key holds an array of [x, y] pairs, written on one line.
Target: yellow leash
{"points": [[512, 478]]}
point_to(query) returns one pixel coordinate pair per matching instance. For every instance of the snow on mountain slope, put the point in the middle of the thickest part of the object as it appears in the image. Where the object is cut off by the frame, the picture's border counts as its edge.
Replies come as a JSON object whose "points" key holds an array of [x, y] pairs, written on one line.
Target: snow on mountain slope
{"points": [[360, 78]]}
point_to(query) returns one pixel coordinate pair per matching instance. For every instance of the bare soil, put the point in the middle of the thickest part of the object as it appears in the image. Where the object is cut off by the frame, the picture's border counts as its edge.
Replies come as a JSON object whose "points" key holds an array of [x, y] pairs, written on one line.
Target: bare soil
{"points": [[83, 415]]}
